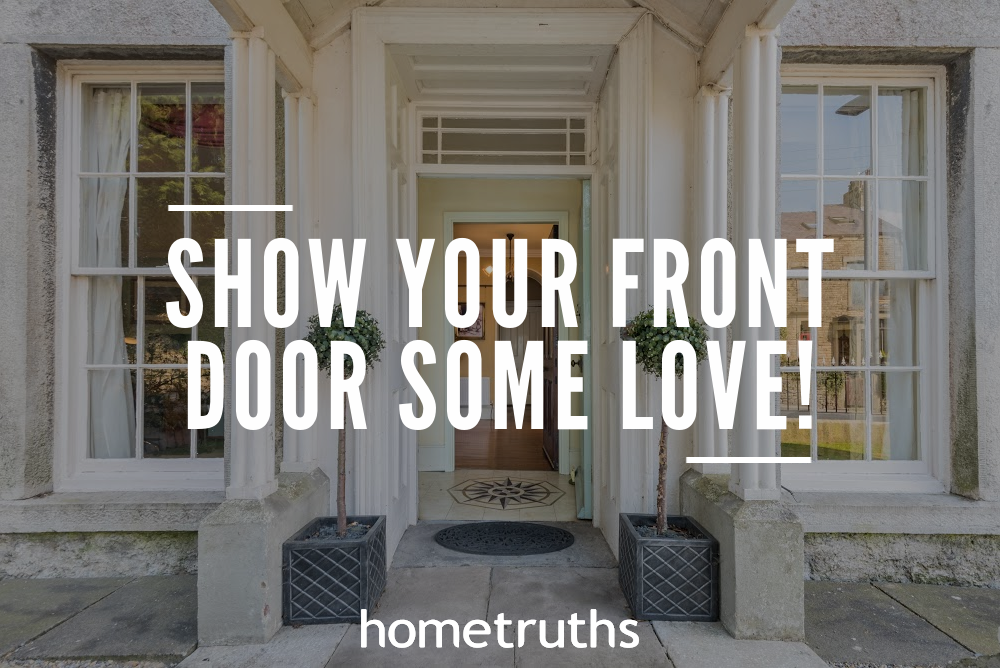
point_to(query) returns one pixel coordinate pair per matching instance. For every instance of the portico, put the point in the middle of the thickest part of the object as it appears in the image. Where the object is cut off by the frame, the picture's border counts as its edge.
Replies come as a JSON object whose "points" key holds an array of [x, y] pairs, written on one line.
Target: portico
{"points": [[356, 81]]}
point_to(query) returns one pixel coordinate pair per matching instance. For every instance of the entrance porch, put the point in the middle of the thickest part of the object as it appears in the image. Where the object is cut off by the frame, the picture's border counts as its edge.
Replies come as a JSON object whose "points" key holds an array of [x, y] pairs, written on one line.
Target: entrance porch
{"points": [[649, 92]]}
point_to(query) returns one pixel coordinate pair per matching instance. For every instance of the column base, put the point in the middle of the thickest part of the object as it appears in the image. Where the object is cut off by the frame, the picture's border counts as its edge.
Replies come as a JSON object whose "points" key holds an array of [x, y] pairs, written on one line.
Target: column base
{"points": [[239, 558], [760, 559]]}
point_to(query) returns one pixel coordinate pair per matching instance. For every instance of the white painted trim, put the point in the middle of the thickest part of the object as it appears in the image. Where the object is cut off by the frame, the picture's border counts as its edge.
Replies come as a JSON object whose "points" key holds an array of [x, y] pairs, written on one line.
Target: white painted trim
{"points": [[497, 26], [932, 472], [71, 470]]}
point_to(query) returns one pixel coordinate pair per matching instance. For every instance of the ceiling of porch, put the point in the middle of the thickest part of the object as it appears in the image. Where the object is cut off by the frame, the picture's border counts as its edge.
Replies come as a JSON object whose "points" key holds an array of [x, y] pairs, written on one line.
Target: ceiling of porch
{"points": [[525, 73], [693, 20]]}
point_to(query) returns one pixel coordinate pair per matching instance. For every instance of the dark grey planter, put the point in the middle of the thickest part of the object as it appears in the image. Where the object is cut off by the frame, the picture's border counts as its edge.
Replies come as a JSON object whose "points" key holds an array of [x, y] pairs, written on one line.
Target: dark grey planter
{"points": [[330, 581], [668, 579]]}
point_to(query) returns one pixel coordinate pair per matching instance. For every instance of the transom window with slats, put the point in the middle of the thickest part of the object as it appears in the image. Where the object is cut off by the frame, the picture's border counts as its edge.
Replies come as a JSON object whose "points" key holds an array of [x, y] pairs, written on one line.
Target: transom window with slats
{"points": [[495, 140]]}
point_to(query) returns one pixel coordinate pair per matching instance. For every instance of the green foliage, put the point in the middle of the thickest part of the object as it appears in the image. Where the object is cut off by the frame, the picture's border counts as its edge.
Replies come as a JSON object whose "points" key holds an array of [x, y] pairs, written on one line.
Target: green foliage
{"points": [[650, 340], [365, 333]]}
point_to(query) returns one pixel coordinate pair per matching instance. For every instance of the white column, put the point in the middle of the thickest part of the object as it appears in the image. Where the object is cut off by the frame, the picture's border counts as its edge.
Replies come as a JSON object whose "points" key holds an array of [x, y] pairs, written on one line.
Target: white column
{"points": [[754, 186], [251, 453], [707, 429], [720, 225], [300, 447]]}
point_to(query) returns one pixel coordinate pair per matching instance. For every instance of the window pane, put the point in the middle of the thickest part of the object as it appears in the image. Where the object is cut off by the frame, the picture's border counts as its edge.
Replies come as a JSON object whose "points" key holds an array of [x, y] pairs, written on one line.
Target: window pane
{"points": [[112, 320], [165, 432], [847, 131], [799, 130], [208, 127], [207, 331], [104, 222], [112, 413], [164, 343], [211, 441], [902, 150], [902, 225], [894, 343], [798, 216], [107, 125], [840, 415], [795, 442], [162, 127], [894, 416], [157, 228], [841, 339], [845, 208], [207, 227]]}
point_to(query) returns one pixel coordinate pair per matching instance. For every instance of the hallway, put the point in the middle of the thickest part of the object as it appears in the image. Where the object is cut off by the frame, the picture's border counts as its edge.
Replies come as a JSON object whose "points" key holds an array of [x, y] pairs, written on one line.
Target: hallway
{"points": [[485, 447]]}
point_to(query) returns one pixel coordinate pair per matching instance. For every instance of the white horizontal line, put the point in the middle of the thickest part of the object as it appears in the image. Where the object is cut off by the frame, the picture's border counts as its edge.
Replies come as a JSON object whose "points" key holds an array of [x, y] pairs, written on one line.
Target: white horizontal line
{"points": [[749, 460], [220, 208]]}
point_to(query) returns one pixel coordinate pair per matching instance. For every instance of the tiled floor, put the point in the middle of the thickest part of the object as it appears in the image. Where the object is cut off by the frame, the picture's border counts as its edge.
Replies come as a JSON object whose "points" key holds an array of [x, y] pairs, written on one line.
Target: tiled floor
{"points": [[439, 502]]}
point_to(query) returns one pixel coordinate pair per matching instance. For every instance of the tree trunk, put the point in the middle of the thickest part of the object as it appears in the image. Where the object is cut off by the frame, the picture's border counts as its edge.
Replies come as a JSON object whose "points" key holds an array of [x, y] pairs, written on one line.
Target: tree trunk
{"points": [[661, 483], [342, 476]]}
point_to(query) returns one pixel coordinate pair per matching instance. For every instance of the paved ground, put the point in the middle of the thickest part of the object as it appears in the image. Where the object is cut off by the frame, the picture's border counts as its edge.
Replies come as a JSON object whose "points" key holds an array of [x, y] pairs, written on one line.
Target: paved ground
{"points": [[151, 622]]}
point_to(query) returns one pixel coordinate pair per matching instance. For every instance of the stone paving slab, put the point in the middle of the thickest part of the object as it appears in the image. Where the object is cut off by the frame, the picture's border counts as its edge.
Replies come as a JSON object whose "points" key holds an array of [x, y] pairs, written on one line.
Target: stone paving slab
{"points": [[414, 594], [848, 622], [29, 608], [149, 618], [418, 548], [556, 594], [705, 645], [969, 615], [303, 647]]}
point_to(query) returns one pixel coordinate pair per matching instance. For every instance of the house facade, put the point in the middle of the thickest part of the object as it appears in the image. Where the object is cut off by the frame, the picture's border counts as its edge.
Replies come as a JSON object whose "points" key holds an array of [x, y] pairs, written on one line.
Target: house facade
{"points": [[871, 123]]}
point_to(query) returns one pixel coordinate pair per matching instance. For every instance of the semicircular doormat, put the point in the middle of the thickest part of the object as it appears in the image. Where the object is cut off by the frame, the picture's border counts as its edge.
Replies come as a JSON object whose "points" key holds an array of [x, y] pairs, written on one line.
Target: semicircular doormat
{"points": [[504, 538]]}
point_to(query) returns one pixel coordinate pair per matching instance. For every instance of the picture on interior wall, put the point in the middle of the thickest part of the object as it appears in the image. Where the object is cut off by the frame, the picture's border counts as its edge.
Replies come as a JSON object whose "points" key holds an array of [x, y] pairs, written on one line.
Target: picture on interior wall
{"points": [[476, 330]]}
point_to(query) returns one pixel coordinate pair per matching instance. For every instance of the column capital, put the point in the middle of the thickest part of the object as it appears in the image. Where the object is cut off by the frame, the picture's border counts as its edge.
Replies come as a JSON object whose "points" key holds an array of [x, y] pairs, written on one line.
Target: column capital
{"points": [[247, 34], [754, 30]]}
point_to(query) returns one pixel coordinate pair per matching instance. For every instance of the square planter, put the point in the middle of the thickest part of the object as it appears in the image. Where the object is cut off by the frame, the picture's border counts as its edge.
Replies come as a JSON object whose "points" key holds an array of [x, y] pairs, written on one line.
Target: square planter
{"points": [[668, 579], [329, 581]]}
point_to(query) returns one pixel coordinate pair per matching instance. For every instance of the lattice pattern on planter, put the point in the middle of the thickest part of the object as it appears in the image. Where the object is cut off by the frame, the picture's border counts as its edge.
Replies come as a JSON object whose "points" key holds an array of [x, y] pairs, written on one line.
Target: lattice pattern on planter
{"points": [[329, 581], [673, 579]]}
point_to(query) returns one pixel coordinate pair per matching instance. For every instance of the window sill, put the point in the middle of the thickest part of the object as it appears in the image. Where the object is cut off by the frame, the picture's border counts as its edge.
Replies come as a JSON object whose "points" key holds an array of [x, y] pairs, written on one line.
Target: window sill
{"points": [[892, 512], [108, 511]]}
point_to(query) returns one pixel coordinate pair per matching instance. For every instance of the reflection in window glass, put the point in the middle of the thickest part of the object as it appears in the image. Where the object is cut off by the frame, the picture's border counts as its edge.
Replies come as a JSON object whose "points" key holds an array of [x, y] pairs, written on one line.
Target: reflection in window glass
{"points": [[136, 362], [798, 216], [156, 227], [847, 121], [799, 154], [845, 207], [162, 127], [840, 412]]}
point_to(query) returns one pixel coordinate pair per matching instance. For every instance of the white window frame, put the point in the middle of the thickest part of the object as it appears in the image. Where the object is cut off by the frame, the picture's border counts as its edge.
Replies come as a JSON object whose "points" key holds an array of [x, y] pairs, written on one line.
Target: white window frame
{"points": [[73, 470], [930, 473]]}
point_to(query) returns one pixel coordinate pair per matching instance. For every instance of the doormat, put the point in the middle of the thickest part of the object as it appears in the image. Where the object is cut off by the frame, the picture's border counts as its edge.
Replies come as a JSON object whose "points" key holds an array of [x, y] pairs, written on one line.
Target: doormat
{"points": [[504, 538]]}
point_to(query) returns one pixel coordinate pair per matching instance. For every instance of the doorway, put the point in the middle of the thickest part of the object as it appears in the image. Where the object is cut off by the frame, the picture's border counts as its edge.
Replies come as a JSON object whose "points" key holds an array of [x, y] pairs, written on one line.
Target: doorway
{"points": [[483, 468]]}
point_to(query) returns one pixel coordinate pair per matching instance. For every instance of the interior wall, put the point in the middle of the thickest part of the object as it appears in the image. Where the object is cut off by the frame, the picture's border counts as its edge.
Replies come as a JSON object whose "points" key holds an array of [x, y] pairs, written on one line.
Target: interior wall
{"points": [[487, 346], [435, 198]]}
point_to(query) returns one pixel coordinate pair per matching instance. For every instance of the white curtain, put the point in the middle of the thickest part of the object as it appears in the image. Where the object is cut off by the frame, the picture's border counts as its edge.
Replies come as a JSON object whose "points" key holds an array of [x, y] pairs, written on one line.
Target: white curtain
{"points": [[112, 399], [900, 390]]}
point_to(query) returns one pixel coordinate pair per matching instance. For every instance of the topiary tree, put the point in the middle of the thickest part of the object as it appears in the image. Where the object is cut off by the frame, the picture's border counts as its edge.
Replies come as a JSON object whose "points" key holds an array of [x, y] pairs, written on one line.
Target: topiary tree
{"points": [[368, 336], [650, 341]]}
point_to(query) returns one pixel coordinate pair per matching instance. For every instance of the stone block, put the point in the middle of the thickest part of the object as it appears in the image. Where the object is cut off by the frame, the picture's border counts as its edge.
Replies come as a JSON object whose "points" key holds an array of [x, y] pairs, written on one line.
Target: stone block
{"points": [[239, 559], [760, 559]]}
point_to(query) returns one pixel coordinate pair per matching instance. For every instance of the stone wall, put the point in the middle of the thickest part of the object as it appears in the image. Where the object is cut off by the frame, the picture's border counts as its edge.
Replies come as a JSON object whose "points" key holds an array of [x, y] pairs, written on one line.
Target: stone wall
{"points": [[950, 559], [100, 554]]}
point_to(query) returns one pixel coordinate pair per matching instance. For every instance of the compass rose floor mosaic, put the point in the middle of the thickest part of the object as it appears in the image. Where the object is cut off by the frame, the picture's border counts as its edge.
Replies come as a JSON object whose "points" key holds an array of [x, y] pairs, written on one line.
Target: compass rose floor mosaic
{"points": [[497, 495], [506, 493]]}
